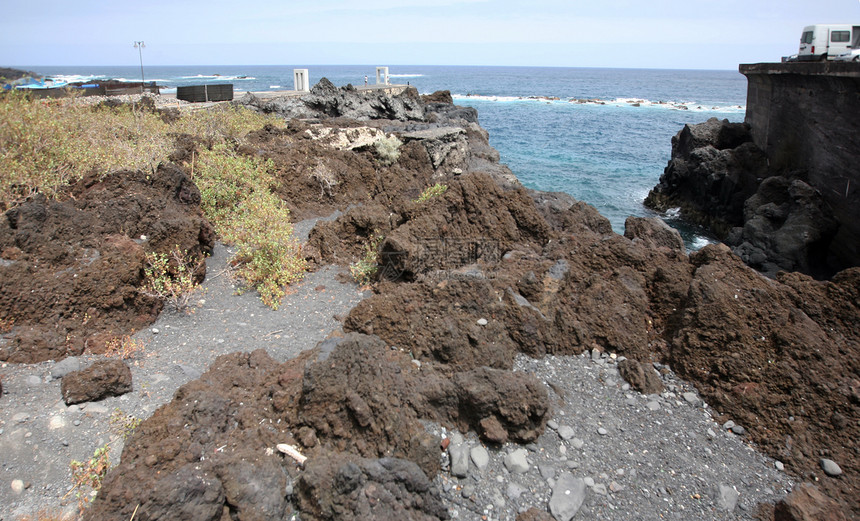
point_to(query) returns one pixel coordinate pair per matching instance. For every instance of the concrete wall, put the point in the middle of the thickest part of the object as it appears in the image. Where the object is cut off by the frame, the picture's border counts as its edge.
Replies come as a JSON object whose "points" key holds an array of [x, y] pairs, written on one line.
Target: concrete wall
{"points": [[806, 117]]}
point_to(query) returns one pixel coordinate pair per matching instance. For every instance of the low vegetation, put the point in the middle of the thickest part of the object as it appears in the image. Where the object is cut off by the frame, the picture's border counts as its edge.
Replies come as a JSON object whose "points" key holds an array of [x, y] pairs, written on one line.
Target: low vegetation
{"points": [[388, 150], [46, 145], [431, 192], [170, 277], [364, 269]]}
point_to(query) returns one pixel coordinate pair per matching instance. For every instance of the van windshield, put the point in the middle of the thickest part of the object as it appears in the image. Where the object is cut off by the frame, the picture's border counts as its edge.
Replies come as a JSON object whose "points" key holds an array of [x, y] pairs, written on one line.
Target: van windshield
{"points": [[806, 37]]}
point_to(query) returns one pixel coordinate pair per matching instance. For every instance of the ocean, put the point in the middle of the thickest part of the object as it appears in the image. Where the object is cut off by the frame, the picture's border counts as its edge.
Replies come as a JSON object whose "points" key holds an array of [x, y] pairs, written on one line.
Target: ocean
{"points": [[601, 135]]}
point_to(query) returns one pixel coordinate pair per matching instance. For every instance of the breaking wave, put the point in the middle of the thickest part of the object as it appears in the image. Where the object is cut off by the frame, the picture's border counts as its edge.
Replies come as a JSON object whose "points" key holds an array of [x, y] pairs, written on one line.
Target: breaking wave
{"points": [[616, 102]]}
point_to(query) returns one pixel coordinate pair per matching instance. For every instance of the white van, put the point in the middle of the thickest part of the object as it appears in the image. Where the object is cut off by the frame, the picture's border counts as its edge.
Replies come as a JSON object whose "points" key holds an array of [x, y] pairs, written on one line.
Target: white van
{"points": [[826, 41]]}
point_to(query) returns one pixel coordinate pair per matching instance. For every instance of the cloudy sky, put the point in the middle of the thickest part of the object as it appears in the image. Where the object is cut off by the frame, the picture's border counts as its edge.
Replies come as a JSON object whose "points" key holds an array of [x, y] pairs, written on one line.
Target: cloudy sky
{"points": [[672, 34]]}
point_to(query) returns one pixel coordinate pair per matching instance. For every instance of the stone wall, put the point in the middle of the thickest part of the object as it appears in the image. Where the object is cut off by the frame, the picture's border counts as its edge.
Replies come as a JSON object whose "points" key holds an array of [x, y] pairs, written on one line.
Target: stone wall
{"points": [[806, 117]]}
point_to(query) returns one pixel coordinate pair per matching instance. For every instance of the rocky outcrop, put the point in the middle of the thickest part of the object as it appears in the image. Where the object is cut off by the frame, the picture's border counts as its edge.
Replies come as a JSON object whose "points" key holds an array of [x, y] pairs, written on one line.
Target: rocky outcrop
{"points": [[71, 270], [781, 189], [720, 179]]}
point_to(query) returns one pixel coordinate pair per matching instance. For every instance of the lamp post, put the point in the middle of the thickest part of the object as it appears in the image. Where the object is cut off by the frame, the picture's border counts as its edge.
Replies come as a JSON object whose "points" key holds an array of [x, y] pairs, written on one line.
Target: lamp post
{"points": [[139, 46]]}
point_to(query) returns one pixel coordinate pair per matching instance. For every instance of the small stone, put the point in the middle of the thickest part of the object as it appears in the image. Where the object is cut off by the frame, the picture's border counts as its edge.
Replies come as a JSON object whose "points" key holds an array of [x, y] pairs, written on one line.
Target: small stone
{"points": [[691, 398], [602, 431], [516, 461], [459, 455], [568, 494], [728, 425], [65, 443], [497, 499], [552, 424], [17, 486], [155, 331], [589, 482], [727, 498], [482, 322], [595, 354], [76, 423], [514, 491], [577, 443], [739, 430], [600, 488], [711, 433], [480, 457], [830, 467], [65, 366], [625, 386], [572, 464], [615, 487], [565, 432], [20, 417], [56, 422], [468, 491], [653, 405], [778, 465], [546, 471], [33, 380]]}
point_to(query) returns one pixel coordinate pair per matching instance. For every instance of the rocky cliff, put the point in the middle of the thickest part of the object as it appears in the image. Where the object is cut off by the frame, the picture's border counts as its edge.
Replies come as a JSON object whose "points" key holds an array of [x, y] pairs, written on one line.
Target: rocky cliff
{"points": [[782, 188]]}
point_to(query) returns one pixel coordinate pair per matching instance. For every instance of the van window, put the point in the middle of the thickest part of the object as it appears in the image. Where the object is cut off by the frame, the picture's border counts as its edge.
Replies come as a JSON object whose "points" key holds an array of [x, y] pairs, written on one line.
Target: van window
{"points": [[806, 37], [840, 36]]}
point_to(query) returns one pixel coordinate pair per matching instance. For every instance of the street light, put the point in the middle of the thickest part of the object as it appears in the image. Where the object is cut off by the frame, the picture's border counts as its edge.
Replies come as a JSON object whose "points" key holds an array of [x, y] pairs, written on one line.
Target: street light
{"points": [[139, 46]]}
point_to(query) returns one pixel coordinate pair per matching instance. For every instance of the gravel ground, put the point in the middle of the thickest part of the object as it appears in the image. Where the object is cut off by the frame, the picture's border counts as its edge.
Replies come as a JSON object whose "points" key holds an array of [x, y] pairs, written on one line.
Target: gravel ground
{"points": [[639, 457]]}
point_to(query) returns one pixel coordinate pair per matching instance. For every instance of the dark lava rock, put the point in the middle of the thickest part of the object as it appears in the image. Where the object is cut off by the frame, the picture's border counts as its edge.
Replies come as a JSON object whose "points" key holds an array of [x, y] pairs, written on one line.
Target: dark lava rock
{"points": [[807, 503], [654, 233], [535, 514], [641, 377], [72, 269], [787, 226], [334, 488], [102, 379]]}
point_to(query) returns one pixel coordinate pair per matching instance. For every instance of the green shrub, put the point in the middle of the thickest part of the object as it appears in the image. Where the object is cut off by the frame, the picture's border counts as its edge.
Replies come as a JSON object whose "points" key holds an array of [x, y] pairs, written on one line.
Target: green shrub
{"points": [[431, 192], [388, 150], [170, 277], [365, 268]]}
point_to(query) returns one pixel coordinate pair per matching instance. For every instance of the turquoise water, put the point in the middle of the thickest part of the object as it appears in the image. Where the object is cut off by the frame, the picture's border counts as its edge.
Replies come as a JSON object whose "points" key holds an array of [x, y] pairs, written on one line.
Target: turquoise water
{"points": [[607, 152]]}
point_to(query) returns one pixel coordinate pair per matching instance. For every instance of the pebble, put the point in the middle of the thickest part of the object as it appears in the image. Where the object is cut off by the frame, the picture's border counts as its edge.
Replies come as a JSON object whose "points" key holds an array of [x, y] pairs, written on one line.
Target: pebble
{"points": [[468, 491], [65, 366], [516, 461], [459, 454], [602, 431], [76, 423], [728, 425], [589, 482], [546, 471], [600, 488], [482, 322], [577, 443], [33, 380], [615, 487], [480, 457], [567, 497], [830, 467], [514, 491], [155, 331], [20, 417], [595, 354], [17, 486], [552, 424], [691, 398], [653, 405], [778, 465], [727, 498], [56, 422], [739, 430], [565, 432]]}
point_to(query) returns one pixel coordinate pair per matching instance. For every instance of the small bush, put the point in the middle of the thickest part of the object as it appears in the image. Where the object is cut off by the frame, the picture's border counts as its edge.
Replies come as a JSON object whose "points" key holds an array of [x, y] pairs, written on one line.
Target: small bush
{"points": [[364, 269], [124, 347], [89, 475], [122, 424], [327, 179], [388, 150], [170, 277], [431, 192]]}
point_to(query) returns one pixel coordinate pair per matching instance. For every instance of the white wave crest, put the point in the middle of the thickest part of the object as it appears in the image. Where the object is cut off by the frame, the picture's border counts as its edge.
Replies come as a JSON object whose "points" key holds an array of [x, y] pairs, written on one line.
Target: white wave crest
{"points": [[405, 75], [274, 86], [617, 102]]}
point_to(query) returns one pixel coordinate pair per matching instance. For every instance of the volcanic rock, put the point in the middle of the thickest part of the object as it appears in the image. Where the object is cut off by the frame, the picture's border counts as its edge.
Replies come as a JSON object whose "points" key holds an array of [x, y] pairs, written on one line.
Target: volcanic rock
{"points": [[641, 376], [100, 380]]}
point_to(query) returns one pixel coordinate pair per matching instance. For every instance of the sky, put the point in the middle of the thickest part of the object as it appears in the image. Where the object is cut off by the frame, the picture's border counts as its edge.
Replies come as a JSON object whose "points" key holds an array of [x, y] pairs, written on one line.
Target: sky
{"points": [[665, 34]]}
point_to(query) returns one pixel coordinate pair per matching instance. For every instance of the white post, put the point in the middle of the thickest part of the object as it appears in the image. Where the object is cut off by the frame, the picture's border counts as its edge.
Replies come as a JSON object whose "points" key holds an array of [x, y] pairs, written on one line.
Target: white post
{"points": [[382, 75], [300, 80]]}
